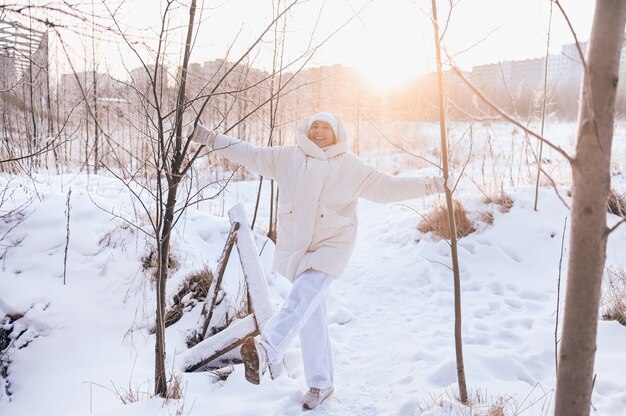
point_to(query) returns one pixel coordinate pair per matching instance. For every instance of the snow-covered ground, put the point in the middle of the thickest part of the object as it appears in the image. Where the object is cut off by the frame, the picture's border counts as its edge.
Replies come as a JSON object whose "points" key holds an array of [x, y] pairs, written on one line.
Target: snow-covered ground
{"points": [[83, 346]]}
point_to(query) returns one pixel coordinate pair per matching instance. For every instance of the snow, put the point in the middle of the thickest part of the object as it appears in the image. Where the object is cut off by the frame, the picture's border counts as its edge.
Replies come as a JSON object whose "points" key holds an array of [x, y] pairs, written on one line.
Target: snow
{"points": [[88, 343]]}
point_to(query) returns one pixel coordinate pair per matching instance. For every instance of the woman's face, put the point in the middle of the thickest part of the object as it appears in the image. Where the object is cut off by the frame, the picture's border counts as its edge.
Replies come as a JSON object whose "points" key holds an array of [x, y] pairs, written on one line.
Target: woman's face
{"points": [[322, 134]]}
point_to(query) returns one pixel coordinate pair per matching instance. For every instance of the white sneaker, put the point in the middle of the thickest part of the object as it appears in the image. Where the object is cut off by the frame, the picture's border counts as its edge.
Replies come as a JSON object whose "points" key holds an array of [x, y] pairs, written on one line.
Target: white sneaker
{"points": [[314, 397], [254, 359]]}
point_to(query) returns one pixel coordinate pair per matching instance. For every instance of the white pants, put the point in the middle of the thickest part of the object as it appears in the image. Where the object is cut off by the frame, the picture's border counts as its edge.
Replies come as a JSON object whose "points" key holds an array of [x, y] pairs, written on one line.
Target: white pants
{"points": [[303, 312]]}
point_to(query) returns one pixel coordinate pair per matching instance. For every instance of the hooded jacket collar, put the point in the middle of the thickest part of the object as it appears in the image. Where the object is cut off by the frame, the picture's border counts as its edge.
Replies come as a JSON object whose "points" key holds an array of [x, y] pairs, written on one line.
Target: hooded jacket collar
{"points": [[312, 150]]}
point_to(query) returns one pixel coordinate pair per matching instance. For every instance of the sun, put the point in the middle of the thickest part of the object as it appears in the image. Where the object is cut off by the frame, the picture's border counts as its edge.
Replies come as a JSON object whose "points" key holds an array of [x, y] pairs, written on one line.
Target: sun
{"points": [[387, 48], [386, 77]]}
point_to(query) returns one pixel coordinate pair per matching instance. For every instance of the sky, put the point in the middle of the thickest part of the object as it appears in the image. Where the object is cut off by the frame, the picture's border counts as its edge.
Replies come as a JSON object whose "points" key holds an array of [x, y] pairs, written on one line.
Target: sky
{"points": [[391, 41], [388, 41]]}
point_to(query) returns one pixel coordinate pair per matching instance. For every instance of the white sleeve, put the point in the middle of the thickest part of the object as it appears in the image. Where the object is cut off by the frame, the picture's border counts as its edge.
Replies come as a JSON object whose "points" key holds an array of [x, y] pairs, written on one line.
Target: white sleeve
{"points": [[262, 160], [380, 187]]}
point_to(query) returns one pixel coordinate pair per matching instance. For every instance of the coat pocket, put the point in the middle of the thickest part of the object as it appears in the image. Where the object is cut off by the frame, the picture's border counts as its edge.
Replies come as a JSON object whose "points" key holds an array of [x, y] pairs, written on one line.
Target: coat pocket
{"points": [[286, 227], [333, 229]]}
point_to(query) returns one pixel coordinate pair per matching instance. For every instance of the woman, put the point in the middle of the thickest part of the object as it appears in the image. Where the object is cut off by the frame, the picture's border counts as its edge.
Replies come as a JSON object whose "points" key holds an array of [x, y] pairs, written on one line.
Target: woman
{"points": [[320, 183]]}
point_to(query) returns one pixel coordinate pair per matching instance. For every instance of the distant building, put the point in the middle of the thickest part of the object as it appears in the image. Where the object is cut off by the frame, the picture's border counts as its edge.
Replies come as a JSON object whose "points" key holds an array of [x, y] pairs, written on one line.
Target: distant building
{"points": [[8, 74], [527, 75], [24, 82], [521, 82]]}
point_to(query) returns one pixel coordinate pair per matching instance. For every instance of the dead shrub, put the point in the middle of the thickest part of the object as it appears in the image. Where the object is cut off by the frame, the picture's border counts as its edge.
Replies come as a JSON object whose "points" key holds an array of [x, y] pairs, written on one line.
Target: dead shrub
{"points": [[486, 217], [116, 237], [174, 314], [6, 328], [480, 403], [135, 394], [613, 301], [193, 338], [174, 387], [436, 221], [616, 204], [494, 410], [221, 374], [150, 261], [503, 201], [197, 284], [11, 339], [130, 395]]}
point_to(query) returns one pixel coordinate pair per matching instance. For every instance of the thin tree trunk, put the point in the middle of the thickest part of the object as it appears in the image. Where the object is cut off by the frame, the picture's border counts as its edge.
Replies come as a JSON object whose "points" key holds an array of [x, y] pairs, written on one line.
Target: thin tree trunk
{"points": [[96, 123], [258, 200], [49, 115], [458, 341], [162, 274], [173, 180], [591, 183], [543, 108], [86, 100], [31, 97]]}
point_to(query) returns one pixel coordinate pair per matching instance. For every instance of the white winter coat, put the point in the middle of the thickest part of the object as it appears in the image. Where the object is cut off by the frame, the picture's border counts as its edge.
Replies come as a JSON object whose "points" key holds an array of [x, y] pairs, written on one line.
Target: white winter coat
{"points": [[318, 194]]}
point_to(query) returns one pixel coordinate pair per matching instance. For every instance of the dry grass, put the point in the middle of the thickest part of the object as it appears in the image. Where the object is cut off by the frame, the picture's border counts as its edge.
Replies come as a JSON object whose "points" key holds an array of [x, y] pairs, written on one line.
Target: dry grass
{"points": [[486, 217], [133, 395], [616, 204], [613, 302], [116, 237], [495, 409], [150, 261], [480, 403], [130, 395], [174, 314], [221, 374], [174, 387], [437, 222], [503, 201], [197, 284], [8, 342]]}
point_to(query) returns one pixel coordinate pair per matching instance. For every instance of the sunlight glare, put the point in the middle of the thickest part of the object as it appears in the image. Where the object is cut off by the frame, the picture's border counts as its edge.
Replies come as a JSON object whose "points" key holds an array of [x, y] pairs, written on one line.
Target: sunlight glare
{"points": [[386, 77], [385, 51]]}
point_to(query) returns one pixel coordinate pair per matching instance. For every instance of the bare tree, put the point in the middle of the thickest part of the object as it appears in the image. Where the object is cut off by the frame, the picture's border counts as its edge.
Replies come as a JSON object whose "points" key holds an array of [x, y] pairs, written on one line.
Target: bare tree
{"points": [[167, 164], [589, 233], [458, 340], [170, 154]]}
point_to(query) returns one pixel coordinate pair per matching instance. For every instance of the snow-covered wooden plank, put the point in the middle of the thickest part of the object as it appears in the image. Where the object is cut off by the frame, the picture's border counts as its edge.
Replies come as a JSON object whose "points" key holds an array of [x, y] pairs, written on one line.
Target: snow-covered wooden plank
{"points": [[209, 349], [252, 268], [216, 283]]}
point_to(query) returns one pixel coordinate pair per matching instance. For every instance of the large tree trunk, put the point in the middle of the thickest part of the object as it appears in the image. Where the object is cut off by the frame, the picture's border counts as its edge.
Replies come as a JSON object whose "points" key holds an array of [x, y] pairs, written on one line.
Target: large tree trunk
{"points": [[591, 183]]}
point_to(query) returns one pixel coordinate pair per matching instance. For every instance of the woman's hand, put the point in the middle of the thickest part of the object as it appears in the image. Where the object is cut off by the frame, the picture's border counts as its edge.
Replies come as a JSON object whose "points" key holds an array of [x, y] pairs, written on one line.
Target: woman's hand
{"points": [[200, 134]]}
